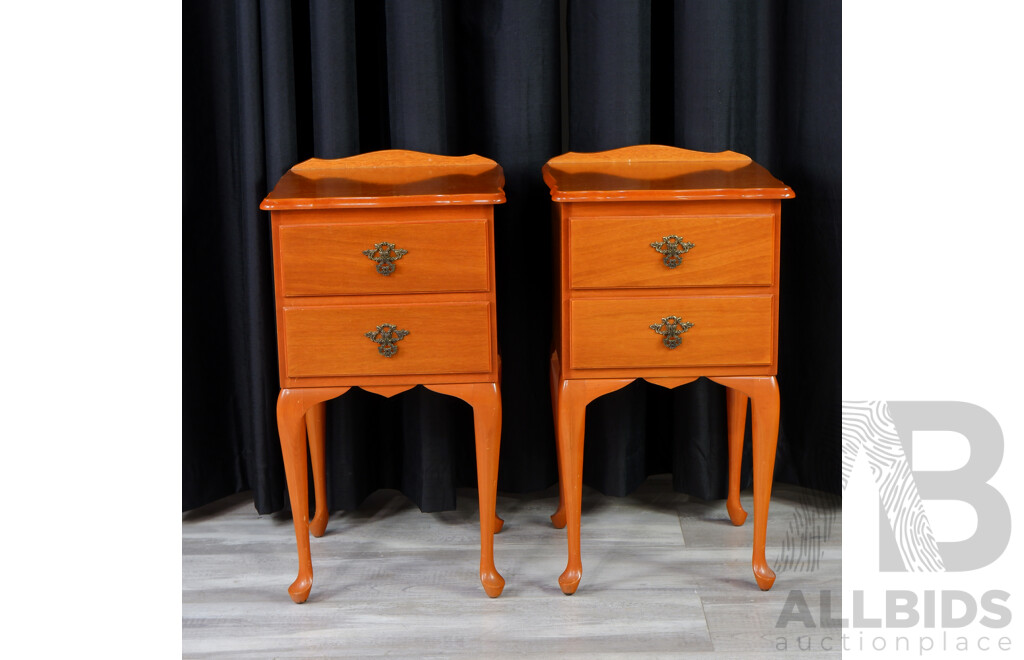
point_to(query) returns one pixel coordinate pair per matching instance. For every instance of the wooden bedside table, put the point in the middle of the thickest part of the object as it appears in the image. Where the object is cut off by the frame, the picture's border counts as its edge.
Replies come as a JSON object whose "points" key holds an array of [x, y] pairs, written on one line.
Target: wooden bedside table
{"points": [[384, 279], [669, 271]]}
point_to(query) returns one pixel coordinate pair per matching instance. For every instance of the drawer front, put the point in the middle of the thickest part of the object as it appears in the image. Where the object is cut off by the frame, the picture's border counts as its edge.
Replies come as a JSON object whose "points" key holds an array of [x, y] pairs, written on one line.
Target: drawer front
{"points": [[443, 338], [710, 251], [617, 333], [326, 260]]}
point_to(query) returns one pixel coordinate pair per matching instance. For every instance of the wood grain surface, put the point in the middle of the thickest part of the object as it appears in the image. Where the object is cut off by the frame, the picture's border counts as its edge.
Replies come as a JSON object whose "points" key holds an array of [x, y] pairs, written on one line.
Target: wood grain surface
{"points": [[612, 252], [610, 333], [658, 172], [388, 178], [446, 338], [443, 255]]}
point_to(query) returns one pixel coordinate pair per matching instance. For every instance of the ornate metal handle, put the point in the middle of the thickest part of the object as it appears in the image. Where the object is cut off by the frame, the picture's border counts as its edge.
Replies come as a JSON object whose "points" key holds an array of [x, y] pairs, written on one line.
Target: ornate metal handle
{"points": [[673, 247], [670, 328], [385, 254], [385, 336]]}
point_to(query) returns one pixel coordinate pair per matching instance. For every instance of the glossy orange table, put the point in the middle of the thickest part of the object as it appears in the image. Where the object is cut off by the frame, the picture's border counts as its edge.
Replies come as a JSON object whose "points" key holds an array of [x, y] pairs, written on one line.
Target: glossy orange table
{"points": [[668, 271], [384, 280]]}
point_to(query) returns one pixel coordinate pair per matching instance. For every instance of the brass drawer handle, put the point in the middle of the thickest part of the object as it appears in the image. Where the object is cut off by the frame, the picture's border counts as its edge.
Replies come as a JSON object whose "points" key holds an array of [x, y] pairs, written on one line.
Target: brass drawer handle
{"points": [[673, 247], [385, 336], [385, 254], [670, 328]]}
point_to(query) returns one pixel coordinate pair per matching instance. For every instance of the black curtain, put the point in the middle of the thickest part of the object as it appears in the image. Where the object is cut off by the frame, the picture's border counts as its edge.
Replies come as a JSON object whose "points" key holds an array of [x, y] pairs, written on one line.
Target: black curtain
{"points": [[268, 84]]}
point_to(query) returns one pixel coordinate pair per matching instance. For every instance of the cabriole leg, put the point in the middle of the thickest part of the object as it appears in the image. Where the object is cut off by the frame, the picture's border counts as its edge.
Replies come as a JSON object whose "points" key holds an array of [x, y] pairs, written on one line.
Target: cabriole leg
{"points": [[558, 517], [485, 398], [487, 424], [292, 406], [290, 426], [736, 407], [572, 410], [573, 397], [315, 423], [765, 417], [764, 404]]}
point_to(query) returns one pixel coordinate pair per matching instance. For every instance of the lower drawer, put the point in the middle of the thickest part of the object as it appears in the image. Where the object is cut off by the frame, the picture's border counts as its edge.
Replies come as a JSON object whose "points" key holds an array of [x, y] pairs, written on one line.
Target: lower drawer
{"points": [[617, 333], [438, 338]]}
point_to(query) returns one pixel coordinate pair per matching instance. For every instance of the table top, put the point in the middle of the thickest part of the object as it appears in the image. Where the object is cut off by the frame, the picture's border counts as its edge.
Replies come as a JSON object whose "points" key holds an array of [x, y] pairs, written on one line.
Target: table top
{"points": [[388, 178], [659, 173]]}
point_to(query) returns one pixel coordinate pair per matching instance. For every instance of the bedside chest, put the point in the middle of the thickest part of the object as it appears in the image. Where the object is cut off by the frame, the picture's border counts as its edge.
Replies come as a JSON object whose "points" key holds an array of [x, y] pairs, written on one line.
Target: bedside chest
{"points": [[668, 270], [384, 280]]}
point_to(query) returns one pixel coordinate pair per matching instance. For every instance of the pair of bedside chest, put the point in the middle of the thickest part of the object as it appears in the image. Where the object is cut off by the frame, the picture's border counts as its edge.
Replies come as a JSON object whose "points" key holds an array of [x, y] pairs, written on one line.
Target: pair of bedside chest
{"points": [[668, 265]]}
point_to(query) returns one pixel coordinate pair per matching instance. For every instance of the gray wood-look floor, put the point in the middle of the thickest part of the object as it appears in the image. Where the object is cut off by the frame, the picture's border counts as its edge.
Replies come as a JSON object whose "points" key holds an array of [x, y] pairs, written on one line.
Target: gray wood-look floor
{"points": [[664, 575]]}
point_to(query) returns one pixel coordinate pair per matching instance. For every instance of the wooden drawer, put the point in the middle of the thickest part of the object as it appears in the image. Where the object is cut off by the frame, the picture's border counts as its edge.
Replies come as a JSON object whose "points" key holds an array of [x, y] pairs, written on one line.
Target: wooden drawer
{"points": [[616, 333], [328, 259], [736, 250], [443, 338]]}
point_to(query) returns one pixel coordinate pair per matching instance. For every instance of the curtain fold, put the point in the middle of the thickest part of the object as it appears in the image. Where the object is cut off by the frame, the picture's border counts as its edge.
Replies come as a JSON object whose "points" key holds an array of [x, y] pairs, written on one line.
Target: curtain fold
{"points": [[335, 93], [268, 84], [609, 46], [416, 75]]}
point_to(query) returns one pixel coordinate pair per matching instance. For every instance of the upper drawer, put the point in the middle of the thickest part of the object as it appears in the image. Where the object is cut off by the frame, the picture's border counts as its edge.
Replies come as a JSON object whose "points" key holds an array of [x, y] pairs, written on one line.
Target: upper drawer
{"points": [[329, 260], [707, 250]]}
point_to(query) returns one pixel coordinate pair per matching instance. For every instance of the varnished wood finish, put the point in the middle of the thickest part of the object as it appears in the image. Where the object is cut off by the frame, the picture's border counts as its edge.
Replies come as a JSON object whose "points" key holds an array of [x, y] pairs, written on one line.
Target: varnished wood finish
{"points": [[485, 398], [326, 260], [558, 517], [616, 332], [573, 397], [613, 285], [388, 178], [656, 172], [736, 411], [292, 406], [381, 372], [316, 419], [566, 213], [329, 295], [386, 391], [670, 383], [727, 251], [764, 405], [444, 338]]}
